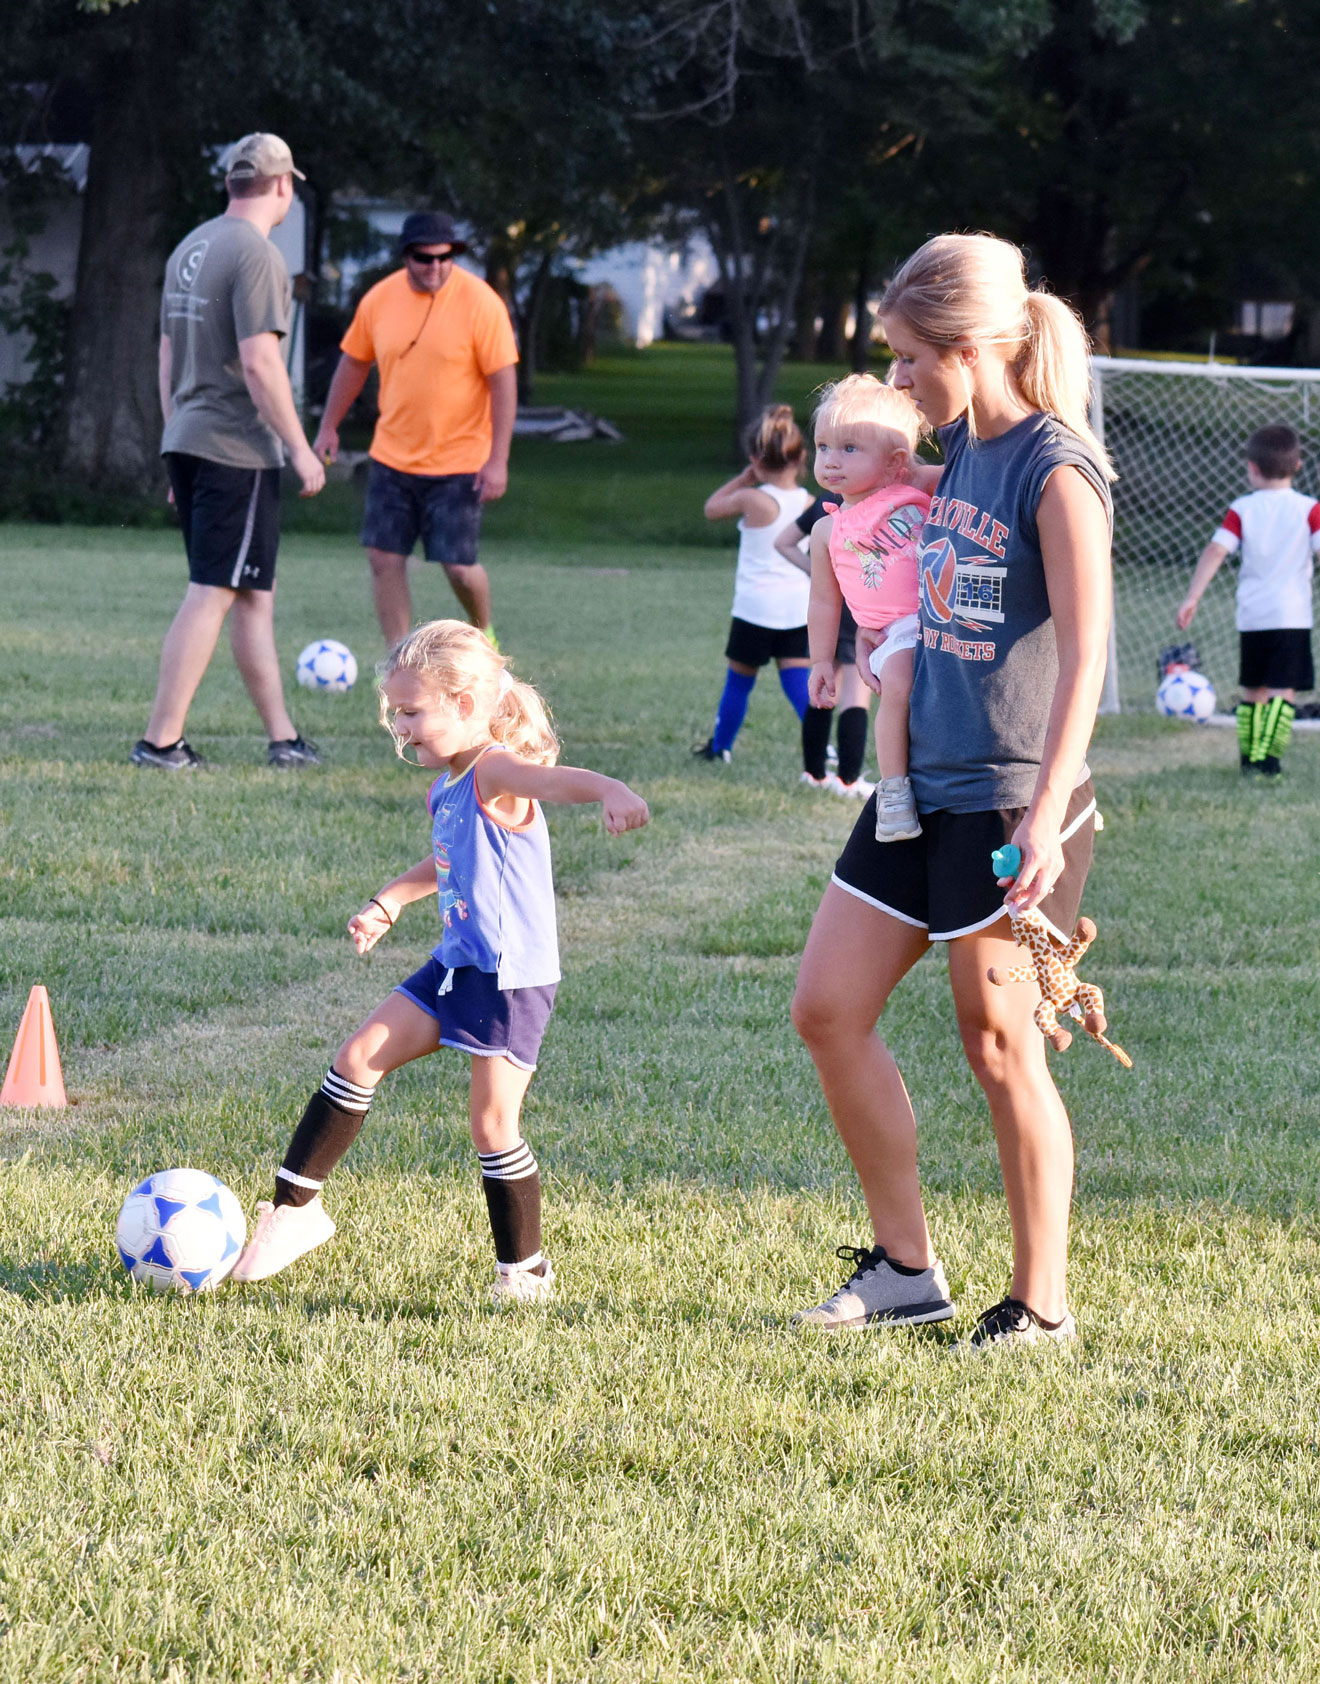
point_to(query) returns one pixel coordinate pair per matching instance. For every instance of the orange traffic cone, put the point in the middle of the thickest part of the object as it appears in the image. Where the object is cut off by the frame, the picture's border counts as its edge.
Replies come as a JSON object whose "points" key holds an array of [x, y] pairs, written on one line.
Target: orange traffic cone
{"points": [[34, 1076]]}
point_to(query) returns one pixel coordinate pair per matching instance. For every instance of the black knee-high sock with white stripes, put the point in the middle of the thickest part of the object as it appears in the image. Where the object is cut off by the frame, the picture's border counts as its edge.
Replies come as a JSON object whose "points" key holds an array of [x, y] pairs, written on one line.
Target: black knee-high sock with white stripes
{"points": [[331, 1123], [511, 1182]]}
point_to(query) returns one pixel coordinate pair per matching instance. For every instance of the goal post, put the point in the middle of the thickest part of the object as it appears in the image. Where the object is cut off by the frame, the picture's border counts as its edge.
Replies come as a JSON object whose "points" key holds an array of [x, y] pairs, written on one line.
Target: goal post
{"points": [[1176, 432]]}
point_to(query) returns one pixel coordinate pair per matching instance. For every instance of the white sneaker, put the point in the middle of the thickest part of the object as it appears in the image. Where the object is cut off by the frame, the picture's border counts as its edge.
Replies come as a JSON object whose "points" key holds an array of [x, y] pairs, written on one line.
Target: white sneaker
{"points": [[523, 1286], [877, 1292], [1011, 1322], [859, 790], [815, 783], [283, 1234], [896, 811]]}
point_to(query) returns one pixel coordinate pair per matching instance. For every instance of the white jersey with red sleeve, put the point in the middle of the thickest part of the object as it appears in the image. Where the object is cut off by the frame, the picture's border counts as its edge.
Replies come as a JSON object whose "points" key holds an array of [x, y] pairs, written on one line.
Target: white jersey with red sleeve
{"points": [[1278, 533]]}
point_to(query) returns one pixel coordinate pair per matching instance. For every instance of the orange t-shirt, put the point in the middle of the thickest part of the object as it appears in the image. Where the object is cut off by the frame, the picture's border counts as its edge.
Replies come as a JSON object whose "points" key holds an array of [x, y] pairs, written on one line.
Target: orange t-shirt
{"points": [[434, 403]]}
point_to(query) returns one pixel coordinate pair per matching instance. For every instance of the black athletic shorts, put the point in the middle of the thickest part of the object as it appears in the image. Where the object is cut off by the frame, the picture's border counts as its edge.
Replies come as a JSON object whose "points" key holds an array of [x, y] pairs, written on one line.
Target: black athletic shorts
{"points": [[753, 646], [942, 881], [443, 510], [1276, 660], [230, 519]]}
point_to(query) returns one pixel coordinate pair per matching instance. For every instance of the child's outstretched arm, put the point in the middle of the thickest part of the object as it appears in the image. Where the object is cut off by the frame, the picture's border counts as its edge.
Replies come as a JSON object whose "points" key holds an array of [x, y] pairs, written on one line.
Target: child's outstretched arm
{"points": [[503, 773], [823, 615], [382, 910], [1212, 559]]}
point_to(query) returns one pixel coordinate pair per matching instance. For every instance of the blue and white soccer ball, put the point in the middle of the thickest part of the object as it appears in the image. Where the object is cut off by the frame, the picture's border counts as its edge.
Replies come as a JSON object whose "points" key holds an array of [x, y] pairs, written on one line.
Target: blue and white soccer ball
{"points": [[327, 665], [1184, 694], [180, 1230]]}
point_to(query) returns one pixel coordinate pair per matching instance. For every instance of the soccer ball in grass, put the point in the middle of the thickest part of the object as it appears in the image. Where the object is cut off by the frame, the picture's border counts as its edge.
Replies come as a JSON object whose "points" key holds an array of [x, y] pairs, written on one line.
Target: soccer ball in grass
{"points": [[1184, 694], [327, 665], [180, 1230]]}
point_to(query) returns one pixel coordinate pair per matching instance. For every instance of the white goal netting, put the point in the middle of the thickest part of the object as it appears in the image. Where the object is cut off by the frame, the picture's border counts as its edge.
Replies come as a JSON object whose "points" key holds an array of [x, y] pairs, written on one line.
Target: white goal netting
{"points": [[1176, 433]]}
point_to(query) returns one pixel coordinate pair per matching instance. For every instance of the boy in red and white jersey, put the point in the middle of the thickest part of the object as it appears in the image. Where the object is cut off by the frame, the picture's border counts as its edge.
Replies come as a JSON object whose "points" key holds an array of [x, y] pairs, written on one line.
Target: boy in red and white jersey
{"points": [[1277, 531]]}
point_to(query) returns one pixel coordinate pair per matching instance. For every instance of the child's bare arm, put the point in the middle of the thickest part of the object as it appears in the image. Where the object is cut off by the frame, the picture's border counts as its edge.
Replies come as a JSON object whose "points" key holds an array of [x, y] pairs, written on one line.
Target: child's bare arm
{"points": [[790, 543], [742, 496], [823, 613], [502, 773], [382, 910], [1212, 559]]}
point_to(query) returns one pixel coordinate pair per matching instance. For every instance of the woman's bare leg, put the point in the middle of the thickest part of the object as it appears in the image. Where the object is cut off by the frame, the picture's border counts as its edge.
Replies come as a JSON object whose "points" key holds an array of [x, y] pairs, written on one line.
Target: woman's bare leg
{"points": [[1007, 1055], [854, 956]]}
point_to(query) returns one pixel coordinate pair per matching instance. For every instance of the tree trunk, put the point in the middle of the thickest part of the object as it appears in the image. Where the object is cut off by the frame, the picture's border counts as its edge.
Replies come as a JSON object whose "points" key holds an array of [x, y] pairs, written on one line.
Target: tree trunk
{"points": [[529, 324], [860, 347], [112, 420]]}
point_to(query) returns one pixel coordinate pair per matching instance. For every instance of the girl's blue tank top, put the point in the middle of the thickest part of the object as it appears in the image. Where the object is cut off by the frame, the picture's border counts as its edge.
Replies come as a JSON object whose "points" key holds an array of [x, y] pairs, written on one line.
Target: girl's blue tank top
{"points": [[497, 893]]}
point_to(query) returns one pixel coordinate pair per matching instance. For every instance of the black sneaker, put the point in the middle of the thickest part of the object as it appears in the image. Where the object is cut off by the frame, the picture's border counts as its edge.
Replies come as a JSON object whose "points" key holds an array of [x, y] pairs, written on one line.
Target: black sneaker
{"points": [[1247, 766], [1011, 1322], [178, 757], [1271, 767], [296, 751], [708, 751]]}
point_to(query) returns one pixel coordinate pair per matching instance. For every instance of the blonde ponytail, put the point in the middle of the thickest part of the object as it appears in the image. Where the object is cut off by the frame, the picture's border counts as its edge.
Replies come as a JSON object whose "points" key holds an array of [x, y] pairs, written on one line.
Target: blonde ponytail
{"points": [[456, 658], [961, 289]]}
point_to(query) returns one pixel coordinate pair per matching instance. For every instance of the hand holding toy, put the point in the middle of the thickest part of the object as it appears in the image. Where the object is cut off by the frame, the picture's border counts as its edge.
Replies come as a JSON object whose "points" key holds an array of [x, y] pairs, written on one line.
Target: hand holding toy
{"points": [[1053, 970]]}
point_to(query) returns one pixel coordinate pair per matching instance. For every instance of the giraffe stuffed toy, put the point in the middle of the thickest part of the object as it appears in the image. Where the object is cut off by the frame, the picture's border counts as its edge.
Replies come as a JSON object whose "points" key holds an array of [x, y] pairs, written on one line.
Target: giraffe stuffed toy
{"points": [[1054, 970]]}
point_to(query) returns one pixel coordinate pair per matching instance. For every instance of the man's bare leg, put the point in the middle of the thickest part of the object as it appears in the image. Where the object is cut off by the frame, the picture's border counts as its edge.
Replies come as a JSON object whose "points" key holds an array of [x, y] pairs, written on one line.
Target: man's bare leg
{"points": [[184, 657], [471, 586], [389, 587], [252, 637]]}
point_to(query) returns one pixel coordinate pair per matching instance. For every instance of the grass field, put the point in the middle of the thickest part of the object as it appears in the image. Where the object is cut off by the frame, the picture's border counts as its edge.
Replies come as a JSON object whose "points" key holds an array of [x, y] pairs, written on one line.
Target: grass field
{"points": [[360, 1471]]}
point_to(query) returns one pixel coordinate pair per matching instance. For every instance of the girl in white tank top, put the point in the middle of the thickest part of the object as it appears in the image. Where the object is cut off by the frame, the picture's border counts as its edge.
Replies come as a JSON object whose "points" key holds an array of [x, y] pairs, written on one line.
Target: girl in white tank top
{"points": [[770, 593]]}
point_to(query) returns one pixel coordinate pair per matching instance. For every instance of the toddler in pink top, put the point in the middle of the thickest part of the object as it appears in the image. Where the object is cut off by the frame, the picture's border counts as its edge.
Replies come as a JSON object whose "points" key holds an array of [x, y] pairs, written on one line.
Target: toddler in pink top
{"points": [[865, 554]]}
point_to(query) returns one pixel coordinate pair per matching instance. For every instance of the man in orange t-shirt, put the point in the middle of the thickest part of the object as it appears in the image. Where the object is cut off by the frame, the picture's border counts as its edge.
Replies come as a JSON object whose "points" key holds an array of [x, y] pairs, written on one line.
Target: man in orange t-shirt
{"points": [[444, 346]]}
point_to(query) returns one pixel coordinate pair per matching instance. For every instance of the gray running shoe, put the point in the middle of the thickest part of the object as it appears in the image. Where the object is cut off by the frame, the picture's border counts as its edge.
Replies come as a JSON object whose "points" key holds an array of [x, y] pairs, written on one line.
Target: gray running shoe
{"points": [[877, 1292], [297, 751], [896, 811], [1011, 1322], [178, 757]]}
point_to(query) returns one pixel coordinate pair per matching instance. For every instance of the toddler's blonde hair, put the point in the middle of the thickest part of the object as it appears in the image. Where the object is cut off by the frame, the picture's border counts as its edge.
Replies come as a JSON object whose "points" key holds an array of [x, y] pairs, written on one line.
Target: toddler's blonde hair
{"points": [[861, 398], [961, 289], [455, 657]]}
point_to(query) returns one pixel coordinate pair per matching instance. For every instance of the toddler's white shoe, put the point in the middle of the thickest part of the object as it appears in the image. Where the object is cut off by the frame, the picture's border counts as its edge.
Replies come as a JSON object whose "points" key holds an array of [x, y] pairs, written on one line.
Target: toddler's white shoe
{"points": [[523, 1286], [896, 811], [858, 790], [284, 1233]]}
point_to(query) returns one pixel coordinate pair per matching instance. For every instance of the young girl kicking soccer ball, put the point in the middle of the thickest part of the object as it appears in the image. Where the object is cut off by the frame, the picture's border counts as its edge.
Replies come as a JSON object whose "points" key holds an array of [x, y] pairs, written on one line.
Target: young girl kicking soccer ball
{"points": [[489, 987], [865, 554]]}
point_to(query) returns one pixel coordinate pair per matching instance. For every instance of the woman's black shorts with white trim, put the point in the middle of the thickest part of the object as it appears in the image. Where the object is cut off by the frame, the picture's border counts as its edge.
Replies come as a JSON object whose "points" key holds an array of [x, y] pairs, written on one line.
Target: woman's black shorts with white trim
{"points": [[942, 881]]}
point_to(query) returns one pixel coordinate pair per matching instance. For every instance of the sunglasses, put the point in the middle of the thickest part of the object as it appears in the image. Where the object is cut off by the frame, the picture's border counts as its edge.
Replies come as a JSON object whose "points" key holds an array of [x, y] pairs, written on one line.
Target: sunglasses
{"points": [[424, 259]]}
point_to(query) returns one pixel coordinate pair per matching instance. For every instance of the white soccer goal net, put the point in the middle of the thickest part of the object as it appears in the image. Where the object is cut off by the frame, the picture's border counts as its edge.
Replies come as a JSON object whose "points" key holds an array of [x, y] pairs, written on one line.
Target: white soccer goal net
{"points": [[1176, 433]]}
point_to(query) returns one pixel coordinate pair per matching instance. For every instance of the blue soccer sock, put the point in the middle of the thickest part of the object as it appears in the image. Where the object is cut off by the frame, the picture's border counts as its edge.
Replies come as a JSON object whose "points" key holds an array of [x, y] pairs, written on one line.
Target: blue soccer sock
{"points": [[738, 687], [793, 682]]}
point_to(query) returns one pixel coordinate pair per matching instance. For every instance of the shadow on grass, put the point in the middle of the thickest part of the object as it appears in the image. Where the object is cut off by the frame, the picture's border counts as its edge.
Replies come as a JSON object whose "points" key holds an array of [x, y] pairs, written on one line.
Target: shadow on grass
{"points": [[56, 1280]]}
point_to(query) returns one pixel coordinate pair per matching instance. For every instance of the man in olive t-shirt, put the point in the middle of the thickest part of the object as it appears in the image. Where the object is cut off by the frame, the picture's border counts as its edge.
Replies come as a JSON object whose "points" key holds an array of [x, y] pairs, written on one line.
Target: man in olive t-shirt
{"points": [[229, 413]]}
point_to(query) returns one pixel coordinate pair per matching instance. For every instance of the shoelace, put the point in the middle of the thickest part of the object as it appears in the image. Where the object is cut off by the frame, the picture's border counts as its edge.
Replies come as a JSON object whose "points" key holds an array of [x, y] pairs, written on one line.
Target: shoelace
{"points": [[1009, 1315], [863, 1258]]}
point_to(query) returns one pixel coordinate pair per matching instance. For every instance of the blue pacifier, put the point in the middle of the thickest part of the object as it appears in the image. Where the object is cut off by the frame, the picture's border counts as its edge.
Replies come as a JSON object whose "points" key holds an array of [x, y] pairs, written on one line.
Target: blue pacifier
{"points": [[1006, 861]]}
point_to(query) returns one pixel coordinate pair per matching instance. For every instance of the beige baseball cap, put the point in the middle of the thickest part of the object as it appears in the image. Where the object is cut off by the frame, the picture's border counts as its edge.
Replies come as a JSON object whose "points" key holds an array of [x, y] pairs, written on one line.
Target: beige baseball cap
{"points": [[261, 154]]}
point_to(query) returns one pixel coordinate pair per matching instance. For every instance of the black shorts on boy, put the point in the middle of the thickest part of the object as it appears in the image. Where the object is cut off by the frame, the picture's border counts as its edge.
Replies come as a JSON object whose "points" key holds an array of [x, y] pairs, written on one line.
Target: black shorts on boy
{"points": [[1277, 659], [942, 881], [443, 510], [230, 519]]}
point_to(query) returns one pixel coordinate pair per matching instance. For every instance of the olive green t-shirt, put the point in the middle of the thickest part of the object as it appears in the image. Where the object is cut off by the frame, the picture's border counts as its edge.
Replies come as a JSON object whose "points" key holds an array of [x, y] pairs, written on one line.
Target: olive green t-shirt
{"points": [[225, 282]]}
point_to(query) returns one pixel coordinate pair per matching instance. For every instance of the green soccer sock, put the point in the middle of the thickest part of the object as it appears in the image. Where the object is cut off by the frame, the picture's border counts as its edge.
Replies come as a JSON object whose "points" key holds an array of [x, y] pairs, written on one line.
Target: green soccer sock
{"points": [[1257, 752], [1244, 711], [1281, 713]]}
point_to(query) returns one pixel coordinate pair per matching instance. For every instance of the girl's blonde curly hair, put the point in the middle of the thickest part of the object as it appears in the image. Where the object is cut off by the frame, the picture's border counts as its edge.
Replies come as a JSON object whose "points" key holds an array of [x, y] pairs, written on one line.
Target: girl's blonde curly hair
{"points": [[455, 658]]}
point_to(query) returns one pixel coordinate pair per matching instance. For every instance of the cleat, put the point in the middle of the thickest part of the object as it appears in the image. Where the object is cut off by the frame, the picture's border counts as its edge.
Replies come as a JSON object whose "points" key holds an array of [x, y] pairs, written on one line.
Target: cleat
{"points": [[708, 751], [178, 757], [296, 751], [284, 1233], [523, 1286]]}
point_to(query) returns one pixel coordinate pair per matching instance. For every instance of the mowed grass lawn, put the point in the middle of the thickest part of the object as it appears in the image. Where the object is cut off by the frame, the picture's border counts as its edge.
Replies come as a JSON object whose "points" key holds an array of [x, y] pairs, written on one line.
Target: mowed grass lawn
{"points": [[360, 1471]]}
